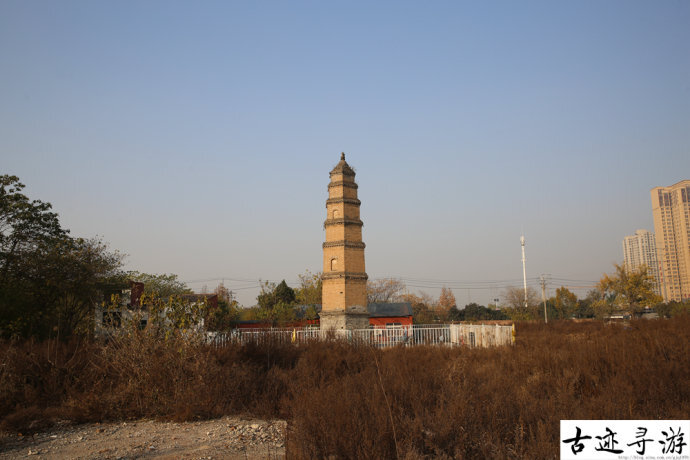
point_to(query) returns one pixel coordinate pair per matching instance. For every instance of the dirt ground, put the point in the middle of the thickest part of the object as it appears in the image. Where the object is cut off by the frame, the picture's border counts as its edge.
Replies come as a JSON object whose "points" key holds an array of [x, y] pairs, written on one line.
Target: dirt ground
{"points": [[226, 438]]}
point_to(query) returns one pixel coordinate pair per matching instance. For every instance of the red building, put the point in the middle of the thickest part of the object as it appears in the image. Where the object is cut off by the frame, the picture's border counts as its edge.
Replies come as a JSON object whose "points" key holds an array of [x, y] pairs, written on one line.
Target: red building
{"points": [[381, 315], [388, 315]]}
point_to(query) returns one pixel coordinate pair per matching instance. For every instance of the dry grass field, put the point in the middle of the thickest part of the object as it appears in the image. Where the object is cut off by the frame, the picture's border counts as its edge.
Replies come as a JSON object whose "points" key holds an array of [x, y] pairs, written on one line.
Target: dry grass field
{"points": [[357, 402]]}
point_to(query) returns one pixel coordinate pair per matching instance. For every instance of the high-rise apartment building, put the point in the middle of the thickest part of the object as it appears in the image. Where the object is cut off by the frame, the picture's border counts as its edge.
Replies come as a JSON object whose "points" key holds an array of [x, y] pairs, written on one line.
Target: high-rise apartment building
{"points": [[671, 209], [640, 249]]}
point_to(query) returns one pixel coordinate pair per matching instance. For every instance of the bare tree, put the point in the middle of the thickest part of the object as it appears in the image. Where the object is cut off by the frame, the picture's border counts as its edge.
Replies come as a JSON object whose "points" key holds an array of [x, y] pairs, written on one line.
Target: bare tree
{"points": [[446, 299], [423, 307], [223, 293], [385, 290], [515, 297]]}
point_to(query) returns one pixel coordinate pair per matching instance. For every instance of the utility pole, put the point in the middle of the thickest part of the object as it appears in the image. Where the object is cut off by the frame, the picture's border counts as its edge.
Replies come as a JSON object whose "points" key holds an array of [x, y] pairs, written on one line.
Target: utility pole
{"points": [[542, 280], [524, 272]]}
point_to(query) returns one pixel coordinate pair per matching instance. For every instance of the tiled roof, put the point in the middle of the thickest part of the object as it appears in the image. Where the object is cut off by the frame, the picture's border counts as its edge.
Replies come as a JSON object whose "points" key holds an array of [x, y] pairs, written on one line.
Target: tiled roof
{"points": [[389, 309], [376, 310], [342, 167]]}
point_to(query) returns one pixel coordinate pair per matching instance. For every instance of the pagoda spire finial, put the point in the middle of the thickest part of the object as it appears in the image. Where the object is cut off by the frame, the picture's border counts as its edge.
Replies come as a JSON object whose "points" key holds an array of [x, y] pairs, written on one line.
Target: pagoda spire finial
{"points": [[342, 156]]}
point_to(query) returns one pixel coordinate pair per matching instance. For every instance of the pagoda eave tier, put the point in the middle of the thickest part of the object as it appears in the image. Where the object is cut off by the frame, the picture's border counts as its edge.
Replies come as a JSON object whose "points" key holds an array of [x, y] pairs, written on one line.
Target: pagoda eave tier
{"points": [[345, 275], [354, 201], [343, 168], [355, 222], [343, 243], [341, 183]]}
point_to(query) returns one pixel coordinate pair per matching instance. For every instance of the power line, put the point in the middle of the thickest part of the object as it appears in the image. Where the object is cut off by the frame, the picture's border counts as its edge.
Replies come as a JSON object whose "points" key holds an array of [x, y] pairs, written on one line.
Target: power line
{"points": [[439, 281], [238, 284], [239, 280]]}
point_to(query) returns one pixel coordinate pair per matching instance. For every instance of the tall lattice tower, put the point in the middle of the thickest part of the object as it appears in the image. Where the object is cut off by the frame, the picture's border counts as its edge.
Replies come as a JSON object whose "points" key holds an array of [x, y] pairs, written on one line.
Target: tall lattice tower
{"points": [[344, 295]]}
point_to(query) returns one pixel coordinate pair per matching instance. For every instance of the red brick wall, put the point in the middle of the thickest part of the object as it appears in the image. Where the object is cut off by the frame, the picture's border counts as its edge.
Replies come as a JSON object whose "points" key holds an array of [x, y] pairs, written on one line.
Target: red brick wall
{"points": [[382, 321]]}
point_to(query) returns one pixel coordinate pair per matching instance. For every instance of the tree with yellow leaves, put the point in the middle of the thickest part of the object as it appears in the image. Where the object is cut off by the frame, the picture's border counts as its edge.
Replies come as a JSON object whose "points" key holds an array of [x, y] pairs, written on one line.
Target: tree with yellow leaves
{"points": [[446, 300], [627, 290], [565, 302]]}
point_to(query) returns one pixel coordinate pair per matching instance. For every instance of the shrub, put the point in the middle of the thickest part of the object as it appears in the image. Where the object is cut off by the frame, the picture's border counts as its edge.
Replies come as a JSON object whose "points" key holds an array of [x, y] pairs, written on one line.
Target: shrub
{"points": [[346, 401]]}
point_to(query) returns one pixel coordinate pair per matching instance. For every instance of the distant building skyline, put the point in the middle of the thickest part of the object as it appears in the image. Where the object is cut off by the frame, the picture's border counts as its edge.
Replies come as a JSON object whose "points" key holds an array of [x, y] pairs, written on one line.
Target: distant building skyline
{"points": [[640, 249], [671, 209]]}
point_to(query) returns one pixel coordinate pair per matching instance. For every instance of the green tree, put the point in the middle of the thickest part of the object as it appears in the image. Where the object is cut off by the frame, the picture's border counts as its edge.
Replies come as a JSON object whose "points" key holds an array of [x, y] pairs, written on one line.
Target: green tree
{"points": [[174, 315], [266, 298], [672, 309], [276, 303], [627, 290], [54, 289], [285, 294], [163, 285], [272, 294], [227, 314], [455, 314], [249, 313], [49, 282], [423, 311], [24, 224], [311, 312], [476, 312], [585, 307], [680, 308], [310, 288], [565, 303], [605, 306], [533, 313], [81, 274], [664, 309]]}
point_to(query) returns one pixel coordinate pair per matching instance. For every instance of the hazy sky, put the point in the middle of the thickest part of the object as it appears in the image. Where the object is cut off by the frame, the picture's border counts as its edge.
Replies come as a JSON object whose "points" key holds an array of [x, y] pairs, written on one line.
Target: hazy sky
{"points": [[197, 137]]}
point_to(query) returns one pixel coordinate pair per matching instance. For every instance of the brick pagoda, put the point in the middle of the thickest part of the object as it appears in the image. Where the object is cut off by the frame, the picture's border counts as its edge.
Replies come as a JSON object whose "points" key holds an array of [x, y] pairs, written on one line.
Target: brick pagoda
{"points": [[344, 295]]}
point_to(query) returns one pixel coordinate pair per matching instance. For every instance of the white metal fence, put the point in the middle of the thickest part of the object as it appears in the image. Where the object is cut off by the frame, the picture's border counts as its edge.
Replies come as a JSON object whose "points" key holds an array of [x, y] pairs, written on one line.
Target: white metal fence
{"points": [[470, 335]]}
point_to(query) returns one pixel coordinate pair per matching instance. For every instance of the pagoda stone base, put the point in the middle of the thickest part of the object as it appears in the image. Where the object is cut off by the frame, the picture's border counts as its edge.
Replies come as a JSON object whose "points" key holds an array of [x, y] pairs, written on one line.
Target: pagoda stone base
{"points": [[354, 317]]}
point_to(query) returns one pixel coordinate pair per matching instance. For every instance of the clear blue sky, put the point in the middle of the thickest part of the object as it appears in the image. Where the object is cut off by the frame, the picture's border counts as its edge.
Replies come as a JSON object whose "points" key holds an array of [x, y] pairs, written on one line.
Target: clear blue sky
{"points": [[197, 137]]}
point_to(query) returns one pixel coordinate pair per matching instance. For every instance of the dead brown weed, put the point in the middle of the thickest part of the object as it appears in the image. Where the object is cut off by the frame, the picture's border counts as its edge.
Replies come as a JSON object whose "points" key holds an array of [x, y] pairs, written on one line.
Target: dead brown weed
{"points": [[345, 401]]}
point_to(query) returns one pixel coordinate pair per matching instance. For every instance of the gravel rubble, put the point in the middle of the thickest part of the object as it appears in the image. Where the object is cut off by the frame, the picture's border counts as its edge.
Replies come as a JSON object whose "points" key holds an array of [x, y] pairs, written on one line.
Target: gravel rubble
{"points": [[225, 438]]}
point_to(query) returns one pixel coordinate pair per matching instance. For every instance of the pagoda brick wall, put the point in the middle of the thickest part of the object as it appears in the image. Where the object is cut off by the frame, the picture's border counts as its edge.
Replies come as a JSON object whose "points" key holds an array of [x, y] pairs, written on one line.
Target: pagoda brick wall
{"points": [[344, 294]]}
